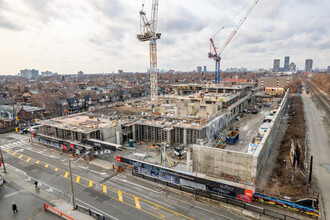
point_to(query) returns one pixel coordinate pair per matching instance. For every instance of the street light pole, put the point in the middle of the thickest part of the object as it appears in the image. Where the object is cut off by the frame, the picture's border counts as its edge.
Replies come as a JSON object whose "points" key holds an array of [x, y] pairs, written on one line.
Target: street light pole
{"points": [[72, 190], [73, 200]]}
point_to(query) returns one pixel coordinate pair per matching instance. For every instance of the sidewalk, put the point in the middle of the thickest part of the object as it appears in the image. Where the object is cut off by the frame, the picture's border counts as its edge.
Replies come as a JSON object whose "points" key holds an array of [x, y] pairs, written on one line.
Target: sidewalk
{"points": [[30, 204]]}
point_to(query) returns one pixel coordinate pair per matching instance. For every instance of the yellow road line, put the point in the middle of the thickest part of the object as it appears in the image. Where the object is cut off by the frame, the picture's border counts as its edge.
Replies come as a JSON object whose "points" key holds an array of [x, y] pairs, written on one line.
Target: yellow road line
{"points": [[137, 203], [28, 159], [120, 196], [137, 199], [46, 165], [20, 156], [78, 179]]}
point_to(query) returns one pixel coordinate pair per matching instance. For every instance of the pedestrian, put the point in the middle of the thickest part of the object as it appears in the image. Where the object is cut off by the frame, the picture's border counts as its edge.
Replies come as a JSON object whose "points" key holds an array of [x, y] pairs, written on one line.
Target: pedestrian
{"points": [[36, 184], [14, 207]]}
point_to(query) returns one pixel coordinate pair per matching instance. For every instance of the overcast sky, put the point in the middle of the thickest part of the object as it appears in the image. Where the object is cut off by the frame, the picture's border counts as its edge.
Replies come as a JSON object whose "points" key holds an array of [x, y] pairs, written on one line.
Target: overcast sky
{"points": [[100, 35]]}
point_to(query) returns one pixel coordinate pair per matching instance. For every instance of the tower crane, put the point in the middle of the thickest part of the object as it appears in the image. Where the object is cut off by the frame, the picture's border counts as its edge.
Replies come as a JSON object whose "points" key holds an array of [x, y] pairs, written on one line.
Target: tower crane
{"points": [[215, 53], [148, 33]]}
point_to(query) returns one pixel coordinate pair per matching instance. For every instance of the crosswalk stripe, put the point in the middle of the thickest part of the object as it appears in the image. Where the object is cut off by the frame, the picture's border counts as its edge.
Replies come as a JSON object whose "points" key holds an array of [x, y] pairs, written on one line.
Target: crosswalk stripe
{"points": [[13, 153], [20, 156], [38, 162], [78, 179], [104, 188], [56, 169], [28, 159], [66, 174], [90, 183], [46, 165]]}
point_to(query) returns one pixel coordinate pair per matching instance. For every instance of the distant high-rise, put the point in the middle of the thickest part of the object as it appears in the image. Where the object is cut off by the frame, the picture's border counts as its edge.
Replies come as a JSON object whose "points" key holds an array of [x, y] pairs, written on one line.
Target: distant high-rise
{"points": [[204, 69], [199, 69], [309, 65], [46, 73], [293, 67], [80, 73], [30, 74], [286, 63], [276, 66]]}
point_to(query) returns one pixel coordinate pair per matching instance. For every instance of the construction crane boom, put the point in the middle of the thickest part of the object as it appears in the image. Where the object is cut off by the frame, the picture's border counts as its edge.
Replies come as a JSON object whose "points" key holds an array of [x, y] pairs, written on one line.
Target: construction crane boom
{"points": [[215, 54], [148, 33]]}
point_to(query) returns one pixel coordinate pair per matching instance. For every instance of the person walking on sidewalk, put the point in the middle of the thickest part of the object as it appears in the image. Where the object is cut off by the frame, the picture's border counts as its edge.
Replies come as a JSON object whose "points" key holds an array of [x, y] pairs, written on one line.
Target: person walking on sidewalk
{"points": [[36, 184], [14, 208]]}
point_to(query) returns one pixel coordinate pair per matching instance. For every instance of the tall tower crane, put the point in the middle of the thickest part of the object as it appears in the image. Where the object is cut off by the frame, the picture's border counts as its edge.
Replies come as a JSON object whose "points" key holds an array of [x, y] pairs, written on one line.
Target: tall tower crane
{"points": [[215, 53], [148, 33]]}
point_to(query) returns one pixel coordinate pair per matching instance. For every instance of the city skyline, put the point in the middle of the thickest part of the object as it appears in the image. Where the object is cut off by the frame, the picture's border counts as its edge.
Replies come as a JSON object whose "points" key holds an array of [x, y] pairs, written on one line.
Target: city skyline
{"points": [[101, 36]]}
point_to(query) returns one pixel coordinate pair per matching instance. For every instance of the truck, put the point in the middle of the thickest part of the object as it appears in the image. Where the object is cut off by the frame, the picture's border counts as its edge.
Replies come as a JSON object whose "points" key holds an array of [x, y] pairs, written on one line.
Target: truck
{"points": [[232, 137]]}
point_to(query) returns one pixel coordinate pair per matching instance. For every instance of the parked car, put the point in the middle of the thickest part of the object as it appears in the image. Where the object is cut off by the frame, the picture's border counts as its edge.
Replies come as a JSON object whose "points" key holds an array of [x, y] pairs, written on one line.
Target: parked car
{"points": [[254, 111]]}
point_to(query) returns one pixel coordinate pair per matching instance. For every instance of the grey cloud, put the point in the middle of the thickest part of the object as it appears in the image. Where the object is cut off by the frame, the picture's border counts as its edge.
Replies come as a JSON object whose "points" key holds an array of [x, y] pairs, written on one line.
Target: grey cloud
{"points": [[183, 21], [9, 25]]}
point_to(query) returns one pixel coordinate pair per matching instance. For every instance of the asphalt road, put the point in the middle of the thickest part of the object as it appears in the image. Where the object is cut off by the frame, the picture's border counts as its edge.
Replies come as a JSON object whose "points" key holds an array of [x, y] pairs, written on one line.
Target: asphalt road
{"points": [[319, 144], [115, 195]]}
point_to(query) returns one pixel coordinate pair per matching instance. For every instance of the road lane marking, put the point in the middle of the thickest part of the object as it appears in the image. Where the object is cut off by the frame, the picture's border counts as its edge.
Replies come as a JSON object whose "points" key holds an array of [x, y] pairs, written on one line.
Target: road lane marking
{"points": [[120, 196], [46, 165], [56, 169], [13, 153], [90, 183], [20, 156], [78, 179], [137, 203], [158, 209], [28, 159]]}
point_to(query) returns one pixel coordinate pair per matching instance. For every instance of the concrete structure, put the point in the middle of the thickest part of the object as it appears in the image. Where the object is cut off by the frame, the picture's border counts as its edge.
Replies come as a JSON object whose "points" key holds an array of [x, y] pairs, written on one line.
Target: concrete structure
{"points": [[273, 84], [276, 66], [235, 166], [309, 66], [204, 69], [80, 127]]}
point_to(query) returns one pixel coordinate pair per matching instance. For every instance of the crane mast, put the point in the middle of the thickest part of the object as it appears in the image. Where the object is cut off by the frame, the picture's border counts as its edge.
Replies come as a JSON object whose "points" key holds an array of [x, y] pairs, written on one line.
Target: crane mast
{"points": [[148, 33], [216, 55]]}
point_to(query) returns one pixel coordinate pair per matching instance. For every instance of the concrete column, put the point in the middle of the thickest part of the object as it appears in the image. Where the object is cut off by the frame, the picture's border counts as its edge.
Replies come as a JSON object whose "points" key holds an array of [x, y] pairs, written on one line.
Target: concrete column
{"points": [[188, 160], [133, 133], [118, 137], [185, 137], [169, 138]]}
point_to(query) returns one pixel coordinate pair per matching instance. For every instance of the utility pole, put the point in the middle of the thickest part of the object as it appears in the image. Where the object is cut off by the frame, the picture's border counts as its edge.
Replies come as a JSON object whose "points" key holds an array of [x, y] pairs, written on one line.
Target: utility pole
{"points": [[310, 170], [73, 200], [3, 162]]}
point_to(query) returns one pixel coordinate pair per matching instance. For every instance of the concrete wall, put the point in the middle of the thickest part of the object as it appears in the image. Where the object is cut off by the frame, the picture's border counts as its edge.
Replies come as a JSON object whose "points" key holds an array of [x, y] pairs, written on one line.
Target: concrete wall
{"points": [[262, 153], [236, 166], [224, 164]]}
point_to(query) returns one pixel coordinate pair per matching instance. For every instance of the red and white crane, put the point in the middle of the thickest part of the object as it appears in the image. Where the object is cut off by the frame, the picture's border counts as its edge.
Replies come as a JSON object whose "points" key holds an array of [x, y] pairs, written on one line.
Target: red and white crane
{"points": [[215, 53]]}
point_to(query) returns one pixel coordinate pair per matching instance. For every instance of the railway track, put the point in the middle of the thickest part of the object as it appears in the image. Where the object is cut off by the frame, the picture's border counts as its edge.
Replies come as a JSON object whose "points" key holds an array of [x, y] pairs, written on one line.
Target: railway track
{"points": [[323, 100]]}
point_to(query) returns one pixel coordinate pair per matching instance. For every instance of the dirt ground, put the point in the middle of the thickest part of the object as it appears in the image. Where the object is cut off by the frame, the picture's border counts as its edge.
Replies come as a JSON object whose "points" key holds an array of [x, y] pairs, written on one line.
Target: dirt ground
{"points": [[284, 179]]}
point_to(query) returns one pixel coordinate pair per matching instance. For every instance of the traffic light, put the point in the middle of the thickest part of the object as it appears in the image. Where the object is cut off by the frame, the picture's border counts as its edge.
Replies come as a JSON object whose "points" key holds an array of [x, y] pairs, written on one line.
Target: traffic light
{"points": [[16, 129]]}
